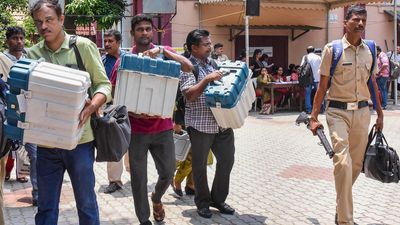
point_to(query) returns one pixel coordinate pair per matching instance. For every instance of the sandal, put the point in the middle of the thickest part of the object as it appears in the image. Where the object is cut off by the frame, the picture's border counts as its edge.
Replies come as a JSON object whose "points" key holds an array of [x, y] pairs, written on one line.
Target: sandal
{"points": [[22, 179], [158, 212]]}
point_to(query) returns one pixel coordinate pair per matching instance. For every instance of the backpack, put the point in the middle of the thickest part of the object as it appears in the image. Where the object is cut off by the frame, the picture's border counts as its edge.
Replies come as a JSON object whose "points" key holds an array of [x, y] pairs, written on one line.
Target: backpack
{"points": [[180, 99], [394, 69], [306, 75], [6, 144], [337, 50]]}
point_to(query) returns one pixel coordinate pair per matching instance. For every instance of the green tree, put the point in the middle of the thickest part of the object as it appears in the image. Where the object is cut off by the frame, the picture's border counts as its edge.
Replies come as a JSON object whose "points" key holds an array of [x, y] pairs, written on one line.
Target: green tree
{"points": [[105, 12]]}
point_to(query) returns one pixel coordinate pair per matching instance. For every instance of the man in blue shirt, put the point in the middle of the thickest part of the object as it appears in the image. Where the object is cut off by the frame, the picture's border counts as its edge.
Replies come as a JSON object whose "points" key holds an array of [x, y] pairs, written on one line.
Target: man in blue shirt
{"points": [[112, 41]]}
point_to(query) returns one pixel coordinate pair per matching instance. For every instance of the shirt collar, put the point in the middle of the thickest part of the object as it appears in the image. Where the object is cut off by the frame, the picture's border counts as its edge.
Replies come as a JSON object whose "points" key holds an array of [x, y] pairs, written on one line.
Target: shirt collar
{"points": [[64, 45], [12, 57], [134, 49], [347, 44], [199, 61]]}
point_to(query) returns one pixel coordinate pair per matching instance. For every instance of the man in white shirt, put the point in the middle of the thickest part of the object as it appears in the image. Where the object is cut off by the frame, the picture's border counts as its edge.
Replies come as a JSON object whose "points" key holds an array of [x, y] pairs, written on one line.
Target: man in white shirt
{"points": [[315, 62]]}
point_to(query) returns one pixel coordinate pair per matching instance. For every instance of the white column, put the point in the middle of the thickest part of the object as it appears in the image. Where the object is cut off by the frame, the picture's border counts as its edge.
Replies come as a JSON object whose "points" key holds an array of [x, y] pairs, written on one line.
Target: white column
{"points": [[125, 28], [395, 47]]}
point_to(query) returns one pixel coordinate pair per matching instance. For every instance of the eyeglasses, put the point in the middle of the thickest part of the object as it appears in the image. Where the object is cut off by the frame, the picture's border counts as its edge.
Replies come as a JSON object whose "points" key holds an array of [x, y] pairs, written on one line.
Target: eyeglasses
{"points": [[208, 44]]}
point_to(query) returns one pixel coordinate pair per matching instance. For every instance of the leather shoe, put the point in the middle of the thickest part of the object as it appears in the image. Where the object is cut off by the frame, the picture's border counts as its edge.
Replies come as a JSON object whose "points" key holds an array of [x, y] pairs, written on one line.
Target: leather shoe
{"points": [[189, 191], [204, 212], [223, 208], [113, 187]]}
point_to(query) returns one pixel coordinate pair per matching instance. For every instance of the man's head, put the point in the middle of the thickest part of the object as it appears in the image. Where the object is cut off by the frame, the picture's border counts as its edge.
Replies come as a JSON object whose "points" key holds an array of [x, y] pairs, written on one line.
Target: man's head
{"points": [[112, 40], [219, 49], [355, 20], [378, 49], [310, 49], [15, 38], [398, 49], [318, 51], [199, 43], [48, 18], [142, 29]]}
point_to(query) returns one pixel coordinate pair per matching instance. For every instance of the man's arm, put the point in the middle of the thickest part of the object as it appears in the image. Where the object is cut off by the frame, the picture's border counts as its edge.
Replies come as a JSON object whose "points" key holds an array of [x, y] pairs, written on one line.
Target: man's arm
{"points": [[379, 120], [196, 90], [318, 99], [186, 65]]}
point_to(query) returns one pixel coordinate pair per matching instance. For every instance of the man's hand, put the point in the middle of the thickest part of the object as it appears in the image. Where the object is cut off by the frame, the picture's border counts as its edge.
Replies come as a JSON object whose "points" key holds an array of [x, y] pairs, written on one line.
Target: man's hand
{"points": [[216, 75], [379, 122], [87, 111], [314, 125], [153, 53]]}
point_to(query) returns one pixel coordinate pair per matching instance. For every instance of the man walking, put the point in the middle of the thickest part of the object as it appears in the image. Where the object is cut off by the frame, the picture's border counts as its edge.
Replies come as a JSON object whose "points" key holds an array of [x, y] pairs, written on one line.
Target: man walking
{"points": [[218, 53], [382, 76], [52, 162], [348, 115], [315, 61], [15, 41], [150, 134], [204, 131], [112, 41]]}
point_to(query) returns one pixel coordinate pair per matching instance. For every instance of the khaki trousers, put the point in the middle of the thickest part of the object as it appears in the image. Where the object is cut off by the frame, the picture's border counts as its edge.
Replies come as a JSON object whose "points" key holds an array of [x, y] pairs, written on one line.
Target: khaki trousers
{"points": [[349, 135], [115, 169], [2, 175]]}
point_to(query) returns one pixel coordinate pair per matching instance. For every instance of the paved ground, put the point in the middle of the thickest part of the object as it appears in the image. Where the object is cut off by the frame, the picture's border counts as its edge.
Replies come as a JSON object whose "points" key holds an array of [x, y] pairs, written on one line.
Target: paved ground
{"points": [[281, 176]]}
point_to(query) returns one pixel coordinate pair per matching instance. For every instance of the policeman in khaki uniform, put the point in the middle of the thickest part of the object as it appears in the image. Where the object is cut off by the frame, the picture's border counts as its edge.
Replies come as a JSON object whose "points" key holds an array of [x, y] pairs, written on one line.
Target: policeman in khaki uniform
{"points": [[348, 114]]}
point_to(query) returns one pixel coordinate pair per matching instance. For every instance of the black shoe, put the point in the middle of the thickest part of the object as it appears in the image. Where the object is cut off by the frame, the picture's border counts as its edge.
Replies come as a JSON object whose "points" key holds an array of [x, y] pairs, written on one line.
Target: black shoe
{"points": [[178, 191], [223, 208], [204, 212], [189, 191], [34, 202], [147, 223], [113, 187]]}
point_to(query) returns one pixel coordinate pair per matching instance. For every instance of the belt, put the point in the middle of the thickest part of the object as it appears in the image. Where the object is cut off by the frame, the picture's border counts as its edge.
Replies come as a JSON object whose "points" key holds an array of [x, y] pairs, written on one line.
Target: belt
{"points": [[348, 105]]}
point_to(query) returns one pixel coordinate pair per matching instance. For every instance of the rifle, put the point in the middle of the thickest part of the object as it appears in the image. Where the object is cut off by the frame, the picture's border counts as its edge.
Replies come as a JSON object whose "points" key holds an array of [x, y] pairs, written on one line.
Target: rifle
{"points": [[303, 118]]}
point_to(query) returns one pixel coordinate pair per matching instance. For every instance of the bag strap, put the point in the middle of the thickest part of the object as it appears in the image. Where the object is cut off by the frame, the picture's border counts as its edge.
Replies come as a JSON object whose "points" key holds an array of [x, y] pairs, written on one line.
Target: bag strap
{"points": [[72, 44], [371, 135], [337, 51], [372, 49]]}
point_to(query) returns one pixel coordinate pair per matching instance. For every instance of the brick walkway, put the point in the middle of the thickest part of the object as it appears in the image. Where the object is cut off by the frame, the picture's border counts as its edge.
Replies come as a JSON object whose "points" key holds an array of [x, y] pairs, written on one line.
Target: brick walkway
{"points": [[281, 176]]}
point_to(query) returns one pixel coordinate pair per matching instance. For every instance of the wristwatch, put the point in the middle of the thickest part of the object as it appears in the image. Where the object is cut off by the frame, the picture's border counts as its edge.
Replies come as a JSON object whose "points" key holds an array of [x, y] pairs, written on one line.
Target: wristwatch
{"points": [[161, 48]]}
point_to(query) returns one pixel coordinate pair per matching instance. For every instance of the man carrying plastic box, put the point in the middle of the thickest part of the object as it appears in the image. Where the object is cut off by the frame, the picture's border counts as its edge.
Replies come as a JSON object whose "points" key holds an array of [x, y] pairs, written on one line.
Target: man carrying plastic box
{"points": [[52, 162], [150, 133], [205, 134]]}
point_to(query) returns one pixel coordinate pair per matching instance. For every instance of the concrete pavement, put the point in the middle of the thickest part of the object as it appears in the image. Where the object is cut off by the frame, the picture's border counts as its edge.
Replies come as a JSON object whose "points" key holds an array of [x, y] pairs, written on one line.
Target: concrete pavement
{"points": [[281, 176]]}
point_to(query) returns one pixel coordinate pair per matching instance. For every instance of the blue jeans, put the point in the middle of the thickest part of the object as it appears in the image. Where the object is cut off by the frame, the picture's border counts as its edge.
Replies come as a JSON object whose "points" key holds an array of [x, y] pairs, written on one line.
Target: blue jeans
{"points": [[51, 165], [308, 97], [32, 150], [382, 85]]}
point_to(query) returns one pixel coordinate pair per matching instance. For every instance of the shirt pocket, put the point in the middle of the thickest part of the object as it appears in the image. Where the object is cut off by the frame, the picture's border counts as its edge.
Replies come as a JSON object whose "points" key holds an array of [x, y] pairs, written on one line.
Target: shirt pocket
{"points": [[366, 71]]}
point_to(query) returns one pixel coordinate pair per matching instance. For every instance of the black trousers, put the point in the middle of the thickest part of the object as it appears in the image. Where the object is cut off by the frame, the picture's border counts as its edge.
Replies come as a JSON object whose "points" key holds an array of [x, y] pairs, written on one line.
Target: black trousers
{"points": [[223, 147]]}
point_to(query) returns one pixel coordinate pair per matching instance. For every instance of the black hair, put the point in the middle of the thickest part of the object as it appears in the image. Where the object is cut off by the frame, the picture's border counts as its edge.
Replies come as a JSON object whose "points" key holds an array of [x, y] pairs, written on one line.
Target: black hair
{"points": [[263, 57], [13, 31], [218, 45], [54, 4], [114, 33], [140, 18], [256, 52], [356, 10], [310, 49], [194, 38], [378, 48]]}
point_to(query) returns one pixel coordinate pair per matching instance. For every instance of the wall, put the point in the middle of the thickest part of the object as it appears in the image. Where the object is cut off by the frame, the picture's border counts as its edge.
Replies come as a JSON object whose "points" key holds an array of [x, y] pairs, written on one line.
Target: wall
{"points": [[186, 20]]}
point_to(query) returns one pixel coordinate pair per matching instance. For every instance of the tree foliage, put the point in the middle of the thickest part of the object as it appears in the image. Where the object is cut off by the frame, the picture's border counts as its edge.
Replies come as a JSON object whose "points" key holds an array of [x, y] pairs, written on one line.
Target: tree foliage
{"points": [[6, 17], [105, 12]]}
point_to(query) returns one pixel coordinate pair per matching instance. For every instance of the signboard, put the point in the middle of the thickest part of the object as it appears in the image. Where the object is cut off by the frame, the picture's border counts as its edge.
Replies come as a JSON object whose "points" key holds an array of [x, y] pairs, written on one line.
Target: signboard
{"points": [[159, 7], [269, 50]]}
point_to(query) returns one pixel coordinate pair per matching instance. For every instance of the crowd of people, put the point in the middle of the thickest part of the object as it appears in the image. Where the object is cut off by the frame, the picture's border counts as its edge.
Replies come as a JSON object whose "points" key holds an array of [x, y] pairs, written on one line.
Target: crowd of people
{"points": [[154, 135]]}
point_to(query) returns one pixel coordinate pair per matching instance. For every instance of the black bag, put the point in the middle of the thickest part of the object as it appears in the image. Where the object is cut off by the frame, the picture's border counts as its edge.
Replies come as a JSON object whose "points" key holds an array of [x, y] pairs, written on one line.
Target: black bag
{"points": [[381, 162], [112, 133], [306, 75], [394, 68]]}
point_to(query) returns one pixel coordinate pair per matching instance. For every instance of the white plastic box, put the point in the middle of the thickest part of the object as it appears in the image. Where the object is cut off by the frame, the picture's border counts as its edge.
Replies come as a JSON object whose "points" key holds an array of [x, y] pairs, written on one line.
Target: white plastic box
{"points": [[147, 86], [231, 98], [45, 102], [234, 117], [182, 145]]}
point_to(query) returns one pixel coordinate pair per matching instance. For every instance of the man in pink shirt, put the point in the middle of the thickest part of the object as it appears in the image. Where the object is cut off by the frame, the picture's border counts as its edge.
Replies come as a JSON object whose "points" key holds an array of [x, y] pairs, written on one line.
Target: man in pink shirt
{"points": [[149, 133], [383, 75]]}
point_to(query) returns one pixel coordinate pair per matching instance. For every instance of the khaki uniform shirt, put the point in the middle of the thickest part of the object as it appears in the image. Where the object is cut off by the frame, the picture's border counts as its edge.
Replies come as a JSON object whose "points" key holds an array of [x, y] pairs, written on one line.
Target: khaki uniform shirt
{"points": [[349, 81]]}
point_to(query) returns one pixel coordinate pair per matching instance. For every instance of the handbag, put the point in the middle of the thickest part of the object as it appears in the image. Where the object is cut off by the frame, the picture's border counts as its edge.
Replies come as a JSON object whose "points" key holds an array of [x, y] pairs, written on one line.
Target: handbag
{"points": [[381, 162], [112, 133]]}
